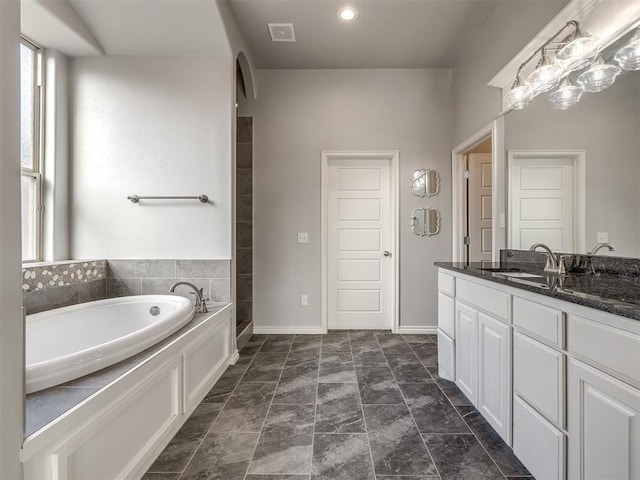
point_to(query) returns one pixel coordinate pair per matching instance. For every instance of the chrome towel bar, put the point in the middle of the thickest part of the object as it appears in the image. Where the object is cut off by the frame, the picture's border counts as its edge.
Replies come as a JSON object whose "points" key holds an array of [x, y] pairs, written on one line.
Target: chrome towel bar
{"points": [[137, 198]]}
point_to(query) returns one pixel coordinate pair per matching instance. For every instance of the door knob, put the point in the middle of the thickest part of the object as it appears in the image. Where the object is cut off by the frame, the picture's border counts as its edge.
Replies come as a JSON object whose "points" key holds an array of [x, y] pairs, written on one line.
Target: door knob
{"points": [[386, 253]]}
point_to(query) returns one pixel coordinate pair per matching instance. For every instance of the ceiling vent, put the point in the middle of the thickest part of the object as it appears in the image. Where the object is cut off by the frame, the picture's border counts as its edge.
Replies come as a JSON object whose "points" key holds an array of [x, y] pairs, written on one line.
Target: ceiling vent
{"points": [[282, 32]]}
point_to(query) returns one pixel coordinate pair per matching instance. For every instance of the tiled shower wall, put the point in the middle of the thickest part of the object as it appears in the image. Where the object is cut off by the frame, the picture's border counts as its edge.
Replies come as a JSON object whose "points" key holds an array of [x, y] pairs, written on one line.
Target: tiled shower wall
{"points": [[244, 223], [54, 286]]}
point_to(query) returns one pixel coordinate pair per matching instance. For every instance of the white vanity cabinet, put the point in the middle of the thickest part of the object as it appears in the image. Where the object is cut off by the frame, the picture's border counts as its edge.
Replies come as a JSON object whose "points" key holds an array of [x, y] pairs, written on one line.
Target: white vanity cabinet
{"points": [[560, 382]]}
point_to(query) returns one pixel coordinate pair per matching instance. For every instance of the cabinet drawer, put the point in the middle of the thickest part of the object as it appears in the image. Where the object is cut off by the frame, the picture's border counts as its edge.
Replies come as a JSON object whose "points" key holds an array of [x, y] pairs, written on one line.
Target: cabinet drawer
{"points": [[446, 283], [540, 320], [446, 314], [538, 376], [491, 301], [537, 444], [605, 346], [446, 357]]}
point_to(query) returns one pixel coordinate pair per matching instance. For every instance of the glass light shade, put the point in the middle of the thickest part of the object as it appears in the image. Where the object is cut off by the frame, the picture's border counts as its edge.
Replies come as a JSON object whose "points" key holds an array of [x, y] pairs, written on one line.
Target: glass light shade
{"points": [[566, 96], [578, 53], [519, 97], [545, 77], [598, 77], [628, 57]]}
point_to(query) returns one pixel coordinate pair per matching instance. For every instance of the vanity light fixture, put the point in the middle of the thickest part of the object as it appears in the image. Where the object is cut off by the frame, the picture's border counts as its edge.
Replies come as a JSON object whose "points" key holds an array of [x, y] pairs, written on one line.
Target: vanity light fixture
{"points": [[628, 57], [567, 95], [347, 14], [598, 76], [556, 59]]}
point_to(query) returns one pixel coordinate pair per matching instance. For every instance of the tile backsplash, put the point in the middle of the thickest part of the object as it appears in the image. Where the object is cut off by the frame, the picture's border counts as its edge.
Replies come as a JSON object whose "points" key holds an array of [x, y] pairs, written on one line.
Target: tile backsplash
{"points": [[59, 284]]}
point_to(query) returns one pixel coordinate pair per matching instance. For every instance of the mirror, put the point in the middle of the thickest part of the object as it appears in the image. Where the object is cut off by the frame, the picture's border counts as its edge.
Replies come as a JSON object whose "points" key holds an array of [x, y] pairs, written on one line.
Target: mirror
{"points": [[425, 222], [425, 183], [573, 175]]}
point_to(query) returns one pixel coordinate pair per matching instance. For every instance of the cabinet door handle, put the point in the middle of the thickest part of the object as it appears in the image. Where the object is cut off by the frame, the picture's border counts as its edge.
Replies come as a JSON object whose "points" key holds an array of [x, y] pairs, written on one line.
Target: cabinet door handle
{"points": [[386, 253]]}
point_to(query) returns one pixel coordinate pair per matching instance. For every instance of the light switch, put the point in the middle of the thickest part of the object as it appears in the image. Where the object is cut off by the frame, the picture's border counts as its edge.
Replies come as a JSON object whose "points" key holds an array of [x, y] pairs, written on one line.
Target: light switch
{"points": [[603, 237], [303, 237], [304, 300]]}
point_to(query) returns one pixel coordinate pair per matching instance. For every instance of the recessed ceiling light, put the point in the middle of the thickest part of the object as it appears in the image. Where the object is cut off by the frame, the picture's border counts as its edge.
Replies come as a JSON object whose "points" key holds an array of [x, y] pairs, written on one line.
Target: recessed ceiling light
{"points": [[347, 14]]}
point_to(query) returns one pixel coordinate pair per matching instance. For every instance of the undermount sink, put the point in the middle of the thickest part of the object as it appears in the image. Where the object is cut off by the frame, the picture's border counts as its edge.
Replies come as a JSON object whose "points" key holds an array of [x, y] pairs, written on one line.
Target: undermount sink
{"points": [[501, 269], [510, 272], [518, 274]]}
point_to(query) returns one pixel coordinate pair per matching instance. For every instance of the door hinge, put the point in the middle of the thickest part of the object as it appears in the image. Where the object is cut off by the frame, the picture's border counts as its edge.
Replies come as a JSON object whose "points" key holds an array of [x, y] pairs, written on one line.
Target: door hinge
{"points": [[467, 240], [467, 174]]}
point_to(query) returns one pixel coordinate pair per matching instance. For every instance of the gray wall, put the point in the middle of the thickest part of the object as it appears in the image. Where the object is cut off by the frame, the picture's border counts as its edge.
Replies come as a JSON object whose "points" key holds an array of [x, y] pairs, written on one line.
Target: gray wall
{"points": [[298, 114], [606, 126], [509, 28]]}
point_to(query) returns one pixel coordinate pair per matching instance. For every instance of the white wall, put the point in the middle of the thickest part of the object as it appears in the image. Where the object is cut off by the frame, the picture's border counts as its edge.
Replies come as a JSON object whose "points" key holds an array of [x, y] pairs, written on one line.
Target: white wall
{"points": [[298, 114], [605, 125], [151, 126], [11, 331]]}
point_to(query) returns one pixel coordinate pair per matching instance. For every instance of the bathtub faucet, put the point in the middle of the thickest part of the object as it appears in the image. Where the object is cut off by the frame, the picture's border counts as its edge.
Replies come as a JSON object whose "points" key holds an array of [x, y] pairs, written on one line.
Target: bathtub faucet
{"points": [[201, 302]]}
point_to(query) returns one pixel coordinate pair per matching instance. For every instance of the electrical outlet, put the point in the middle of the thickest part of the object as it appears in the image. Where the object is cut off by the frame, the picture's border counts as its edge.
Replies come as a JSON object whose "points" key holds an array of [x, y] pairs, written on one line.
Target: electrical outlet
{"points": [[304, 300], [603, 237], [303, 237]]}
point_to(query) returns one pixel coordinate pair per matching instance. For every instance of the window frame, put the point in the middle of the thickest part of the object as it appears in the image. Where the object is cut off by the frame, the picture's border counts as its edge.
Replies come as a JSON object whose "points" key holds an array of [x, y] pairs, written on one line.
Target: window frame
{"points": [[38, 146]]}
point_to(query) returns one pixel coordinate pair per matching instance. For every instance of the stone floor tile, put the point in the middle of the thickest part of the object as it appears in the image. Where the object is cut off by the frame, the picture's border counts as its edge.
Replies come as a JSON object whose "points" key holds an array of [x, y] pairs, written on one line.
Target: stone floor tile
{"points": [[341, 457], [339, 409], [431, 409], [396, 445], [461, 457]]}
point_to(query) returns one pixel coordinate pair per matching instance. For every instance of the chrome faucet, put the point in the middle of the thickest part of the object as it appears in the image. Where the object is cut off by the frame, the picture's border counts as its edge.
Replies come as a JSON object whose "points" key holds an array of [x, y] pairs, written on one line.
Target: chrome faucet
{"points": [[200, 302], [598, 246], [552, 262]]}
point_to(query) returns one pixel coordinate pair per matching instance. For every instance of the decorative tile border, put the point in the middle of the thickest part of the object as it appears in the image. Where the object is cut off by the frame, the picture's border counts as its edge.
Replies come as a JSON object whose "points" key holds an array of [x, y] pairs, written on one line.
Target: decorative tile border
{"points": [[43, 277]]}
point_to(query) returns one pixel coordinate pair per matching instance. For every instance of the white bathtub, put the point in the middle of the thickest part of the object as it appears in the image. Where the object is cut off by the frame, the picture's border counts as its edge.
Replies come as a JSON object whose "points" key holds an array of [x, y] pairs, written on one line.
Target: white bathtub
{"points": [[70, 342]]}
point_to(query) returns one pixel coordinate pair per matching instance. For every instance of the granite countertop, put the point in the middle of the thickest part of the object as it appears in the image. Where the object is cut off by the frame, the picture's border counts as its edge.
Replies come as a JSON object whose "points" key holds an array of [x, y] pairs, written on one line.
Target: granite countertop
{"points": [[614, 293]]}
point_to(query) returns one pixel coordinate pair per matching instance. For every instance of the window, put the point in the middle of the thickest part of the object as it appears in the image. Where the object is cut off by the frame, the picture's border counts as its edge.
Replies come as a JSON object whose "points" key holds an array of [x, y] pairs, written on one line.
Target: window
{"points": [[30, 149]]}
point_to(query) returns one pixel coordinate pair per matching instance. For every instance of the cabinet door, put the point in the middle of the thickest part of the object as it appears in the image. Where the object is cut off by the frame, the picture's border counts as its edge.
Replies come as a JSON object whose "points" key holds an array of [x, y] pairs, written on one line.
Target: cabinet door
{"points": [[604, 425], [466, 360], [538, 444], [494, 374], [539, 376]]}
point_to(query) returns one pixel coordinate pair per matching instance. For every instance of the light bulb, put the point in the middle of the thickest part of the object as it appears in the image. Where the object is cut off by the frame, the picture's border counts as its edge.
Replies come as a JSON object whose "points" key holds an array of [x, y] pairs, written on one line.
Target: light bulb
{"points": [[578, 53], [347, 14], [520, 95], [628, 57], [545, 77], [566, 96], [598, 76]]}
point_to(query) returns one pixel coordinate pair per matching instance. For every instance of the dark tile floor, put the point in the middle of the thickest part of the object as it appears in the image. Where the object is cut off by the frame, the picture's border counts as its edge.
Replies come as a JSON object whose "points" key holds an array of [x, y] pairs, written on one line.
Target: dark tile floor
{"points": [[355, 405]]}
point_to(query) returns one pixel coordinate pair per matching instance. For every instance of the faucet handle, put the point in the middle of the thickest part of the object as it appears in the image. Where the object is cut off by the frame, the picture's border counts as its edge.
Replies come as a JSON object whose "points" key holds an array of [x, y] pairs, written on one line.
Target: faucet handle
{"points": [[562, 265]]}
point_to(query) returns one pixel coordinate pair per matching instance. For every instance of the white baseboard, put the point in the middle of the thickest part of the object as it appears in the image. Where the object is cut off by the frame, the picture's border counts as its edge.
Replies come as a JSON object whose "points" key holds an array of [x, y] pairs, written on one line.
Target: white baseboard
{"points": [[286, 330], [234, 358], [417, 330]]}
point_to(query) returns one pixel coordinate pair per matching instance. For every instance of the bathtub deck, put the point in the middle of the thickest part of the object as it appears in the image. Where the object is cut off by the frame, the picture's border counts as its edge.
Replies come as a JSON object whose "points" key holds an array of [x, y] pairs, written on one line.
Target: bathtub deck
{"points": [[46, 405]]}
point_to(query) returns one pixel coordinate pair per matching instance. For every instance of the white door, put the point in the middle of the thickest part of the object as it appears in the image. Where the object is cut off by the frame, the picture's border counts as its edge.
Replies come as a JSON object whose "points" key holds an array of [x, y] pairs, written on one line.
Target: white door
{"points": [[480, 207], [541, 198], [359, 238]]}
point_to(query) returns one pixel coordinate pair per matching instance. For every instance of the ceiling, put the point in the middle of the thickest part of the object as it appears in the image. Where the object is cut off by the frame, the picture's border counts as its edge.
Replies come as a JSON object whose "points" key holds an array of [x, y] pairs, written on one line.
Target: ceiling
{"points": [[386, 34]]}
